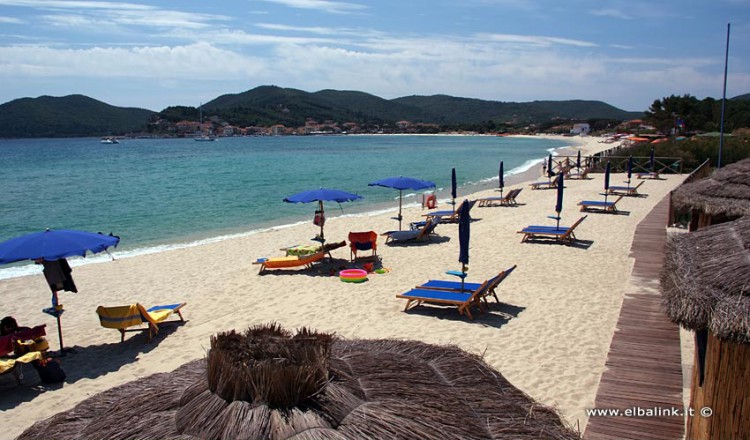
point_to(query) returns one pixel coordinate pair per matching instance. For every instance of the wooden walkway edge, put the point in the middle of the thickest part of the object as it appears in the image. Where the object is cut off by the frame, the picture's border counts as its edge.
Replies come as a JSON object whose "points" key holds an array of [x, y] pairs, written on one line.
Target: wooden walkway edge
{"points": [[644, 362]]}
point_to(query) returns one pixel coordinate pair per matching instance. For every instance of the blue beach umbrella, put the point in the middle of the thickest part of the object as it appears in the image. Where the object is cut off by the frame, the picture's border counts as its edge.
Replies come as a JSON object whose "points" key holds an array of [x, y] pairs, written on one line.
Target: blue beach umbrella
{"points": [[453, 187], [464, 232], [559, 202], [53, 245], [607, 171], [322, 195], [578, 161], [401, 183]]}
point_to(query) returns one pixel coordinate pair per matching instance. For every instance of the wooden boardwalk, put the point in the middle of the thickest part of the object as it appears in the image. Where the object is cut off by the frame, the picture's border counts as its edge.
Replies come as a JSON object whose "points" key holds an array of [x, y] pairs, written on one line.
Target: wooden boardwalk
{"points": [[644, 363]]}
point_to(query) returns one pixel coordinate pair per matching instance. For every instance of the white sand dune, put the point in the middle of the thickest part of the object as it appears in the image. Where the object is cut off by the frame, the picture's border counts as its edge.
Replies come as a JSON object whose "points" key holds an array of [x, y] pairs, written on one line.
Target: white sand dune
{"points": [[550, 336]]}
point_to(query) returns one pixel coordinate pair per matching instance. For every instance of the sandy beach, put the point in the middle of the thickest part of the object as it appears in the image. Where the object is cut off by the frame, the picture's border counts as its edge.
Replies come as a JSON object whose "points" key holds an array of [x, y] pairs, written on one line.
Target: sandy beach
{"points": [[549, 336]]}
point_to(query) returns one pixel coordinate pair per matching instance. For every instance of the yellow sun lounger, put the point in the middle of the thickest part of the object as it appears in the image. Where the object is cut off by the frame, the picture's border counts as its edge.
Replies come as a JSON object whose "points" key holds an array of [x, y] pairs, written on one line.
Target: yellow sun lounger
{"points": [[290, 261], [124, 317]]}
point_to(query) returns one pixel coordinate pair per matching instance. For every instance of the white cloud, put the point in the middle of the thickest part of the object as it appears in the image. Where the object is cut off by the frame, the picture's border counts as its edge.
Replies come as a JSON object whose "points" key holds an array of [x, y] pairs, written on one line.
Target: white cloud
{"points": [[322, 5], [535, 40], [611, 13], [10, 20]]}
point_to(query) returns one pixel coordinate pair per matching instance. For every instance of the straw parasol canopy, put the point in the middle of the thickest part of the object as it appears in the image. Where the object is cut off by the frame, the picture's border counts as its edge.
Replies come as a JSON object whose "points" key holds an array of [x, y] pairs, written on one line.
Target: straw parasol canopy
{"points": [[320, 388], [706, 280], [725, 192]]}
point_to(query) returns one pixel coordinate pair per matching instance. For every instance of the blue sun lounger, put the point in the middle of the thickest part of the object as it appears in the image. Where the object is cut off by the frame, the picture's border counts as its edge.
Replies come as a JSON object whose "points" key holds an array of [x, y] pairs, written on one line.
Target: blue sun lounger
{"points": [[625, 190], [599, 205], [463, 300], [562, 233], [492, 283]]}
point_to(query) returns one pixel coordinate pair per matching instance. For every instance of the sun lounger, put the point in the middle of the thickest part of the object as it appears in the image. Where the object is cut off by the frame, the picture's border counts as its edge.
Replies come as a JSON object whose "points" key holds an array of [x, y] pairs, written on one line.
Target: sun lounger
{"points": [[625, 190], [413, 234], [650, 175], [508, 200], [123, 317], [463, 300], [599, 205], [291, 261], [563, 234], [456, 286], [547, 184], [363, 241], [582, 174], [448, 216]]}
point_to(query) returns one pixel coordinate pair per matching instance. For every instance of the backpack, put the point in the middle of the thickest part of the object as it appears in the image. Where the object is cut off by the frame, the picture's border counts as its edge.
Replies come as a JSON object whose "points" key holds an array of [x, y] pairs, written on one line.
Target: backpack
{"points": [[50, 372]]}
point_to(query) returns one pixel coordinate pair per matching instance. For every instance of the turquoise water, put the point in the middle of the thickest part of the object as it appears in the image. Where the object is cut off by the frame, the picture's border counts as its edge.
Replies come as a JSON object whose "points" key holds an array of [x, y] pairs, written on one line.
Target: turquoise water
{"points": [[156, 193]]}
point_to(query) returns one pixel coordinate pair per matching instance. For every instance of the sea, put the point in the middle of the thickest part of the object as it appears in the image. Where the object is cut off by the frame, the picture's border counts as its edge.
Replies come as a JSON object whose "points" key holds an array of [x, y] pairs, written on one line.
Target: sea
{"points": [[162, 194]]}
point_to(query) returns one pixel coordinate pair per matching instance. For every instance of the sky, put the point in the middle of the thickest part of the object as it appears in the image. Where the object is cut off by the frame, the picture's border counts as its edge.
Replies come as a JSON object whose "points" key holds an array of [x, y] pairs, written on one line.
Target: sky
{"points": [[155, 54]]}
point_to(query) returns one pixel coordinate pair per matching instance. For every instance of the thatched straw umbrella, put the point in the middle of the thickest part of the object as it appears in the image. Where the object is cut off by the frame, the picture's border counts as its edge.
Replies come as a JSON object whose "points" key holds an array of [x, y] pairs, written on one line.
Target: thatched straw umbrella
{"points": [[269, 384], [723, 196], [706, 288]]}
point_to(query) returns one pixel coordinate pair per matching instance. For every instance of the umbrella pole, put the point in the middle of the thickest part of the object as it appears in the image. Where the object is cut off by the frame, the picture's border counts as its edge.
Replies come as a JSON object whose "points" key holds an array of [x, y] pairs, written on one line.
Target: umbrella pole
{"points": [[57, 316], [322, 223], [463, 271], [400, 198]]}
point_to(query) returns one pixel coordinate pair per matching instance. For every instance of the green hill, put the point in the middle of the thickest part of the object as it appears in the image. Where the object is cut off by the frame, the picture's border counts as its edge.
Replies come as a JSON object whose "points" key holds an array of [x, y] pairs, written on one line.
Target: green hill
{"points": [[745, 97], [268, 105], [68, 116]]}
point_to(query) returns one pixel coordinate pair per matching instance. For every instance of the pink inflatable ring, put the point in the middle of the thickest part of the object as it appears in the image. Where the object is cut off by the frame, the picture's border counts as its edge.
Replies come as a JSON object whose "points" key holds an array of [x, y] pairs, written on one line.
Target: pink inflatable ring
{"points": [[353, 275]]}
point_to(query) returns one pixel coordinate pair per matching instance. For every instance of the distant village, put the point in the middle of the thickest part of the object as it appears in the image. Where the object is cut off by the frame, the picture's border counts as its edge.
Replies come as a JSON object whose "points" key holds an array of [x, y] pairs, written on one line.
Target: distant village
{"points": [[214, 126]]}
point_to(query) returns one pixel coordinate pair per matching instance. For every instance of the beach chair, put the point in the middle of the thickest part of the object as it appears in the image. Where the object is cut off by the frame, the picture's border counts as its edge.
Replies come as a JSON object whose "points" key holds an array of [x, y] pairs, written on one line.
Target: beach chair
{"points": [[547, 184], [583, 174], [650, 175], [599, 205], [463, 300], [363, 241], [508, 200], [416, 234], [12, 365], [564, 234], [291, 261], [123, 317], [625, 190], [448, 216], [456, 286]]}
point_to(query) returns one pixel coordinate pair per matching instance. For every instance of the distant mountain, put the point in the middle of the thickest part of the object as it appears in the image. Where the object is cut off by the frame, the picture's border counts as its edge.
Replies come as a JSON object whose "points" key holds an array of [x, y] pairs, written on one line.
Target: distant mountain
{"points": [[467, 111], [68, 116], [270, 104], [745, 97], [78, 115]]}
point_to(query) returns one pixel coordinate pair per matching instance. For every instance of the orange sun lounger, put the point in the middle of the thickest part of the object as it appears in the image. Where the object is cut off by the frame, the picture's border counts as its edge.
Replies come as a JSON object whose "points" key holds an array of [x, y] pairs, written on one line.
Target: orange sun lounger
{"points": [[290, 261]]}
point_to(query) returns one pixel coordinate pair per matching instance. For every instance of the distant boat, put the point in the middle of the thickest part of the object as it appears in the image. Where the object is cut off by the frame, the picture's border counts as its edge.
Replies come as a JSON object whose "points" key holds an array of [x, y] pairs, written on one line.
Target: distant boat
{"points": [[205, 138], [109, 140]]}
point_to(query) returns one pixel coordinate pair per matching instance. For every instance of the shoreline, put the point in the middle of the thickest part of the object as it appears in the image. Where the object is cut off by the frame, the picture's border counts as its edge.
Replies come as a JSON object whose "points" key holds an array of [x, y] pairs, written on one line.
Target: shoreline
{"points": [[549, 336], [521, 173]]}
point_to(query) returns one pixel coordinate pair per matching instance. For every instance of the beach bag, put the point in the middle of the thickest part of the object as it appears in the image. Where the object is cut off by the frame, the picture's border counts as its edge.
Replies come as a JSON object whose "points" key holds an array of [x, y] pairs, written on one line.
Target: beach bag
{"points": [[50, 371], [319, 218]]}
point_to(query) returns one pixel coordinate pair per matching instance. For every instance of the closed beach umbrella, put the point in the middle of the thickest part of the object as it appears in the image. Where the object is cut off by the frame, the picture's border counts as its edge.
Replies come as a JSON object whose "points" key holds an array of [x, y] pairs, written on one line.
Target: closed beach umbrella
{"points": [[50, 246], [550, 173], [559, 203], [651, 163], [453, 187], [322, 195], [401, 183], [464, 232], [501, 178], [607, 170], [630, 169], [578, 161]]}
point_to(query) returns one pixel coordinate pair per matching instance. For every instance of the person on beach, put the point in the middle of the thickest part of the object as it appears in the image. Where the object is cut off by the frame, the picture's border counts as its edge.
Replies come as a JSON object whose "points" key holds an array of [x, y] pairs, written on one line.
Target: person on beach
{"points": [[8, 326]]}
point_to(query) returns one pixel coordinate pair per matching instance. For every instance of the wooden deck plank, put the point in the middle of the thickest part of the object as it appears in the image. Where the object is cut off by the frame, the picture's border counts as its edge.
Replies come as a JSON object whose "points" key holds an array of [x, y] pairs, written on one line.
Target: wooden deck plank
{"points": [[644, 365]]}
